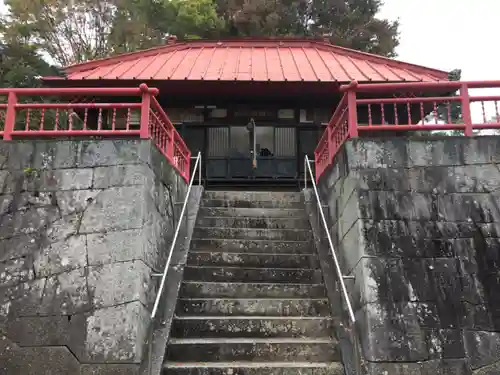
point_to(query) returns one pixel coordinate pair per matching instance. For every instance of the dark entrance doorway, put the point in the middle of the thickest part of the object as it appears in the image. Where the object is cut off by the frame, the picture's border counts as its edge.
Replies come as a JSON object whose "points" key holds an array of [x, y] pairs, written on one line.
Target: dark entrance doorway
{"points": [[227, 153], [230, 152]]}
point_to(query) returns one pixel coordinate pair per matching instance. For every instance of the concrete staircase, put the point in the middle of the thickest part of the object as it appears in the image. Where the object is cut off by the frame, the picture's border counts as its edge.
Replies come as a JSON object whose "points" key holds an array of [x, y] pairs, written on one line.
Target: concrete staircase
{"points": [[253, 300]]}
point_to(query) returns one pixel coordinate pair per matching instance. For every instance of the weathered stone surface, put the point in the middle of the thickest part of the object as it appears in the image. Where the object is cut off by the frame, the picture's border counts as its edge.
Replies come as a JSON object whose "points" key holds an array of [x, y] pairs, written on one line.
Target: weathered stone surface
{"points": [[57, 154], [257, 234], [117, 334], [66, 293], [483, 348], [113, 247], [252, 260], [432, 367], [310, 327], [114, 209], [255, 369], [421, 240], [253, 307], [59, 330], [61, 256], [48, 361], [82, 224], [253, 246], [59, 179], [249, 351], [388, 205], [15, 271], [120, 175], [251, 290], [113, 152], [118, 283], [489, 370], [391, 332], [75, 202], [27, 221], [103, 369]]}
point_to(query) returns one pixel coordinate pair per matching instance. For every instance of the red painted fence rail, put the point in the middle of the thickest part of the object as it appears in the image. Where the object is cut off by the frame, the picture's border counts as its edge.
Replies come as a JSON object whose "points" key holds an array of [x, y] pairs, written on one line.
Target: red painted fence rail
{"points": [[402, 107], [26, 113]]}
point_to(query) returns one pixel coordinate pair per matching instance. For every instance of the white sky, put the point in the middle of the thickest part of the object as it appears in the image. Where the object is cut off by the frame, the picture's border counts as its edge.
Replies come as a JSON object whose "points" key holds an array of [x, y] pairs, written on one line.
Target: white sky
{"points": [[450, 34], [447, 34]]}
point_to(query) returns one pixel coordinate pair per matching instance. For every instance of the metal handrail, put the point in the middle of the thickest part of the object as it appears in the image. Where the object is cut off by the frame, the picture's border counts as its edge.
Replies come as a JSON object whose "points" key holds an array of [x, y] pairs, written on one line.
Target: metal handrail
{"points": [[307, 166], [197, 164]]}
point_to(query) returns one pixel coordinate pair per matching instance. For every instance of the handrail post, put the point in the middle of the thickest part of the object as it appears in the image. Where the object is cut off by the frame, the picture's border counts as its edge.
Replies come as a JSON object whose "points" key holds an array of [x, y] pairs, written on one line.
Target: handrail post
{"points": [[199, 170], [352, 110], [145, 108], [466, 114], [10, 116]]}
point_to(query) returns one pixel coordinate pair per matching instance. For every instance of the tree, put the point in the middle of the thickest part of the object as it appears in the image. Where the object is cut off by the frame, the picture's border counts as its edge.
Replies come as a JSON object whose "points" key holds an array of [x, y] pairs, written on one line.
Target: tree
{"points": [[451, 111], [22, 66], [348, 23], [196, 19], [70, 31], [76, 31]]}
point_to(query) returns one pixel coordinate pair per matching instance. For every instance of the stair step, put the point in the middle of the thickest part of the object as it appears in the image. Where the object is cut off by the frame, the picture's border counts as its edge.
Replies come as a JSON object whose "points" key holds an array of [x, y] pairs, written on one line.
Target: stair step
{"points": [[252, 195], [253, 307], [253, 368], [240, 203], [240, 326], [239, 274], [252, 246], [254, 222], [253, 234], [252, 212], [252, 260], [264, 350], [192, 289]]}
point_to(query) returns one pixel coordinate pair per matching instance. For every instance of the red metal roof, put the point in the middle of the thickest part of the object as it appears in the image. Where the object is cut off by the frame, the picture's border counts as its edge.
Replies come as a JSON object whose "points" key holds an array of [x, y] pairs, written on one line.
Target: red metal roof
{"points": [[252, 60]]}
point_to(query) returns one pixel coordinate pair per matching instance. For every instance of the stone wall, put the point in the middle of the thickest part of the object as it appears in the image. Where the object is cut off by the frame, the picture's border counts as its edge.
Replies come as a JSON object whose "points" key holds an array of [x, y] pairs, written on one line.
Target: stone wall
{"points": [[83, 225], [417, 222]]}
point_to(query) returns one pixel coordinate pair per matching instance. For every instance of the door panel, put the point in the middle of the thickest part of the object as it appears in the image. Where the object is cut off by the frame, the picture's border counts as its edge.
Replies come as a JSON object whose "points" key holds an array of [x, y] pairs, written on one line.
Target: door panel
{"points": [[217, 152], [240, 162], [308, 140], [195, 141], [229, 152]]}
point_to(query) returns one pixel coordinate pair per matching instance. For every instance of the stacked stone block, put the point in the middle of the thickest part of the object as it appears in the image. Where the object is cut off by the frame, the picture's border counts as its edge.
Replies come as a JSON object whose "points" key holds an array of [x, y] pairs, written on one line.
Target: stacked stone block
{"points": [[83, 224], [416, 221]]}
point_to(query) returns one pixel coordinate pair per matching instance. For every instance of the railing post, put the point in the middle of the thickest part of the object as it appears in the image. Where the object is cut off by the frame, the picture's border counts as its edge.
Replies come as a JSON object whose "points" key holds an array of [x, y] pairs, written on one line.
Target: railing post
{"points": [[10, 117], [352, 112], [329, 143], [466, 114], [145, 109]]}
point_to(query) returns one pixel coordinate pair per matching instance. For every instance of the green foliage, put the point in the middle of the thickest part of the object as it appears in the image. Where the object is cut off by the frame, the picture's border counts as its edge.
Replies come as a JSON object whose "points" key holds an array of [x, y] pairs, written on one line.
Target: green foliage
{"points": [[348, 23], [21, 66], [71, 31], [196, 19], [77, 31], [453, 111]]}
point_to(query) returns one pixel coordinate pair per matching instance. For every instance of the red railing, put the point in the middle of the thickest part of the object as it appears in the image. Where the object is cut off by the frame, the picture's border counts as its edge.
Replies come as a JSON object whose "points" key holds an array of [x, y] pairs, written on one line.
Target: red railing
{"points": [[413, 107], [167, 139], [40, 113]]}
